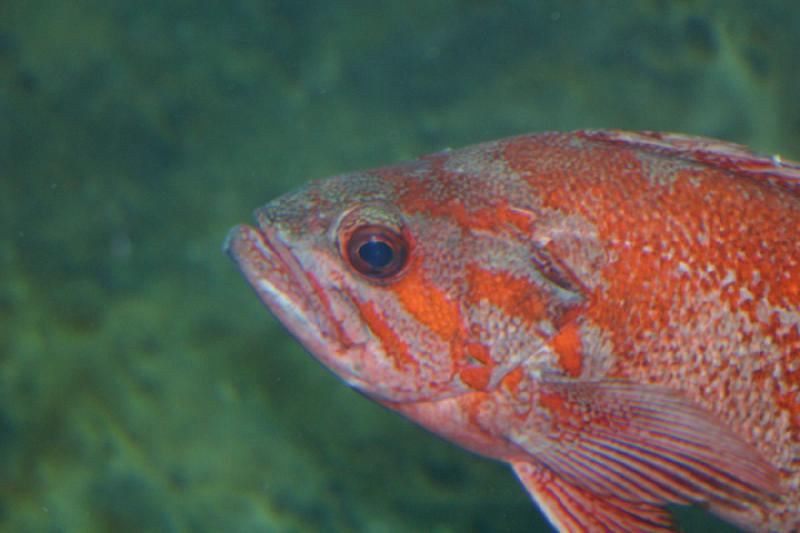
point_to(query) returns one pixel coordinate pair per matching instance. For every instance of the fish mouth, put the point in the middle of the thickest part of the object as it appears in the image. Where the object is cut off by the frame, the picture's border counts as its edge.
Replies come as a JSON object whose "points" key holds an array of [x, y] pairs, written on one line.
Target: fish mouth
{"points": [[294, 297]]}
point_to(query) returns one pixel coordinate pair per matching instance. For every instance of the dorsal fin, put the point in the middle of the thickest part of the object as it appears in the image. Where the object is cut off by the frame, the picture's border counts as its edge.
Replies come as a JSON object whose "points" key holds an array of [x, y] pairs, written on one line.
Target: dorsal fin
{"points": [[720, 154]]}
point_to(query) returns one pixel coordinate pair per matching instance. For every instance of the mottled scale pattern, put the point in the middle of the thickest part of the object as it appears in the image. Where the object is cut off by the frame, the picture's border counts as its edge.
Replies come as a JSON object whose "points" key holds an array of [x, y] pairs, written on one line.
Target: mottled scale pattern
{"points": [[615, 314]]}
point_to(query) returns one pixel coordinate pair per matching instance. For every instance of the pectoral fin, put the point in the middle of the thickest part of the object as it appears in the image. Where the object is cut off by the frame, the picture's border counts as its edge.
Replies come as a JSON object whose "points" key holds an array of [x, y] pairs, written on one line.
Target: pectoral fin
{"points": [[617, 451], [573, 509]]}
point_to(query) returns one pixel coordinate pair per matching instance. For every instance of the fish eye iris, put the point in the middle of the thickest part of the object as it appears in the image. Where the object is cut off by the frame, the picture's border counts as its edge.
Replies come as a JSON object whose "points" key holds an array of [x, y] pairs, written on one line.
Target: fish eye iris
{"points": [[377, 252]]}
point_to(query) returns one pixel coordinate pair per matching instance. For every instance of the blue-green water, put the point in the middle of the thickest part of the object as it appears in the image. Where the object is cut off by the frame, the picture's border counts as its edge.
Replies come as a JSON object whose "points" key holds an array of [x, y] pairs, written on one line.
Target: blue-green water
{"points": [[142, 385]]}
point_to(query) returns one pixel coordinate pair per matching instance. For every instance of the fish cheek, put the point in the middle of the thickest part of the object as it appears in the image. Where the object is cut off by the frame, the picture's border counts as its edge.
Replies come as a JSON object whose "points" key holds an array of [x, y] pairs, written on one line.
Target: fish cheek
{"points": [[412, 323]]}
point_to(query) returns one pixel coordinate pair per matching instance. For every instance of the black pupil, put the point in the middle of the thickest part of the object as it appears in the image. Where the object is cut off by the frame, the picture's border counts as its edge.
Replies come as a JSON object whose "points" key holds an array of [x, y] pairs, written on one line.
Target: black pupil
{"points": [[376, 254]]}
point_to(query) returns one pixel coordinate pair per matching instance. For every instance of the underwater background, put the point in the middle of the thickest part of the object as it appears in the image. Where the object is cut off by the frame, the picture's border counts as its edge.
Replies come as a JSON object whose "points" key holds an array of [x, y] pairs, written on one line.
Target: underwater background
{"points": [[143, 388]]}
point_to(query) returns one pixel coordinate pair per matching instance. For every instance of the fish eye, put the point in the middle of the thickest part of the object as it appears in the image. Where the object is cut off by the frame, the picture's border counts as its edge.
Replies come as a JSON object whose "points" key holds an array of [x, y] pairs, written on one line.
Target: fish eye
{"points": [[377, 252]]}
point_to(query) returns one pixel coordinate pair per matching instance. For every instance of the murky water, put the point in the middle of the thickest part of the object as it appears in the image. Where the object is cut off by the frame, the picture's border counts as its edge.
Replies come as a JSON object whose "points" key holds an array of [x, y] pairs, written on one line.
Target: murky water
{"points": [[142, 386]]}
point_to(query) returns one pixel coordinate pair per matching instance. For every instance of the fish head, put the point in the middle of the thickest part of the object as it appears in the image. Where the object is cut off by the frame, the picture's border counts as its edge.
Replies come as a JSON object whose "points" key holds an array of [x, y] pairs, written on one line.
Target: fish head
{"points": [[404, 302]]}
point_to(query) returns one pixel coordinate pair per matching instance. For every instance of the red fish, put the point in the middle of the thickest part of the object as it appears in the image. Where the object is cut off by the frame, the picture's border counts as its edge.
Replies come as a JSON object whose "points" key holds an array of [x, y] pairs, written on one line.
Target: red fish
{"points": [[616, 315]]}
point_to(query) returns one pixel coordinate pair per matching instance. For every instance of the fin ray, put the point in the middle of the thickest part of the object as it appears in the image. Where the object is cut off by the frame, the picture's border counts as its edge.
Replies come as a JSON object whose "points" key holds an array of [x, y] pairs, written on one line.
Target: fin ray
{"points": [[712, 152], [573, 509], [638, 447]]}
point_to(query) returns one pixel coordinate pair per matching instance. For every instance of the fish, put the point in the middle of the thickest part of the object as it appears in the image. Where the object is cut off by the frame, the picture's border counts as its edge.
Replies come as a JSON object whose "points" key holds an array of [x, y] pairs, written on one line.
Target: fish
{"points": [[614, 314]]}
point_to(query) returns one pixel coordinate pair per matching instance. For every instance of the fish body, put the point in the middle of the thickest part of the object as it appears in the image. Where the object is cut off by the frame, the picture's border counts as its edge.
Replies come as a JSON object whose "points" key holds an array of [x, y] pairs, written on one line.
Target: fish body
{"points": [[614, 314]]}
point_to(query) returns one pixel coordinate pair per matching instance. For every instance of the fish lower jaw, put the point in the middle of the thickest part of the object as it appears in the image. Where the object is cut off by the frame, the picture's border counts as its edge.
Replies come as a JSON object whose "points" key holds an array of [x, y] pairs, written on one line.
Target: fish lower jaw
{"points": [[278, 279]]}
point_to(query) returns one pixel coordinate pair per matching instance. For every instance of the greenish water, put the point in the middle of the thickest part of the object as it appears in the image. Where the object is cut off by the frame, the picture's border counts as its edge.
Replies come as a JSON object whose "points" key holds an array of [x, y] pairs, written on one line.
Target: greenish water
{"points": [[142, 385]]}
